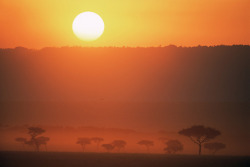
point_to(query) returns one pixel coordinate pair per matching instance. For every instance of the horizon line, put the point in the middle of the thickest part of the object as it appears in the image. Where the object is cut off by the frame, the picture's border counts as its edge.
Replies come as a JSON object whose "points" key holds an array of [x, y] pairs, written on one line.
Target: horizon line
{"points": [[128, 47]]}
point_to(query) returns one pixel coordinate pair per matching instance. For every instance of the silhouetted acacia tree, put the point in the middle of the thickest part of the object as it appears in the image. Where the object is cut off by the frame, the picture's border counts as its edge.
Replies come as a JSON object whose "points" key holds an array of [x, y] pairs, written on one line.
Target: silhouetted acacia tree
{"points": [[35, 140], [97, 140], [200, 134], [173, 146], [83, 142], [146, 143], [214, 147], [35, 131], [119, 144], [21, 140], [43, 141], [108, 147], [31, 144]]}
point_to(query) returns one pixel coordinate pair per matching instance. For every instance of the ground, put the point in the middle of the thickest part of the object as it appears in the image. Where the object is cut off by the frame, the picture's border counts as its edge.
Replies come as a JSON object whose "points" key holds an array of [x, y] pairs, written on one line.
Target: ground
{"points": [[60, 159]]}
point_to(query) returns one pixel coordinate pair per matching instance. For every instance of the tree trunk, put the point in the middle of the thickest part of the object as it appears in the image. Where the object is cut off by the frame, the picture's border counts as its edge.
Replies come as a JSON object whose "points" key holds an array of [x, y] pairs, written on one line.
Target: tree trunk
{"points": [[83, 148], [37, 148], [45, 147], [98, 144], [148, 149], [214, 152], [119, 149], [199, 149], [36, 145], [24, 148]]}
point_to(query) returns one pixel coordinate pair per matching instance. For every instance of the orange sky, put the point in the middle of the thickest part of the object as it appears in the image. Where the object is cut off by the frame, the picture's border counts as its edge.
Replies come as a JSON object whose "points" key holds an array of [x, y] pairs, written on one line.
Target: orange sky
{"points": [[41, 23]]}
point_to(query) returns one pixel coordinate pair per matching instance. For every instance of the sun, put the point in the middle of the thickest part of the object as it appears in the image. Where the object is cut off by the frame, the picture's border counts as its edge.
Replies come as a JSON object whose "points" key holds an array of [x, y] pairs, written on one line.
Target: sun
{"points": [[88, 26]]}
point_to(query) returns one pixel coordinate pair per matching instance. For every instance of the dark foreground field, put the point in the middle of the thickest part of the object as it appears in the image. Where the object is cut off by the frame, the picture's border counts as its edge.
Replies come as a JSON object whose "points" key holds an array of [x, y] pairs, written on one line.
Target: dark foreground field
{"points": [[43, 159]]}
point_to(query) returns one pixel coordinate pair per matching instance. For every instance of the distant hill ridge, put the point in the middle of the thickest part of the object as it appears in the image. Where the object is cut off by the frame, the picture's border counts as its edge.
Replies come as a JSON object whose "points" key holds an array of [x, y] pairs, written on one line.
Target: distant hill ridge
{"points": [[20, 48]]}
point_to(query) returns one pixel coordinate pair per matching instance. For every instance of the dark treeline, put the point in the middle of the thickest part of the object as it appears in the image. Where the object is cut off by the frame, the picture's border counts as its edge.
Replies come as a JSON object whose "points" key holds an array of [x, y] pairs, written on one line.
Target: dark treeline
{"points": [[198, 134]]}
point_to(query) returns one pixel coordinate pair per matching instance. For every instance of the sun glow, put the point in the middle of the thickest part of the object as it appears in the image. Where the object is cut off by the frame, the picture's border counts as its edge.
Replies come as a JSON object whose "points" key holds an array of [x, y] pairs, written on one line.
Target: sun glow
{"points": [[88, 26]]}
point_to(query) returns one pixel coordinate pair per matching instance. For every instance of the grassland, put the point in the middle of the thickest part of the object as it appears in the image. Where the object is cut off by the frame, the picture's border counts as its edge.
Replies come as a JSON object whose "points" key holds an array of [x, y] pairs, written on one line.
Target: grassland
{"points": [[67, 159]]}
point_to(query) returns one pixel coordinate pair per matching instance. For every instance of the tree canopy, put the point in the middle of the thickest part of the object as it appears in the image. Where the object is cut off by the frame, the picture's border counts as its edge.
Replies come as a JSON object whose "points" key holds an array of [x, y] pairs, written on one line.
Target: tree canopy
{"points": [[173, 146], [35, 131], [119, 144], [214, 147], [108, 147], [200, 134], [146, 143], [83, 141]]}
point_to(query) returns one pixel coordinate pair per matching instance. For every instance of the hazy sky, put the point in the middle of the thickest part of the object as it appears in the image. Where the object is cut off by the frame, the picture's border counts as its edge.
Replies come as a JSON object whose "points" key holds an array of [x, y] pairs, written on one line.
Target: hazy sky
{"points": [[126, 88], [141, 89], [40, 23]]}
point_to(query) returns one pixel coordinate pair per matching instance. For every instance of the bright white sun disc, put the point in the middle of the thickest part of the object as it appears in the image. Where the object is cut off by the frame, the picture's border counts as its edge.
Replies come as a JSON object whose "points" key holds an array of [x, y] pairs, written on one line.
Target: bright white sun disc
{"points": [[88, 26]]}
